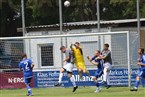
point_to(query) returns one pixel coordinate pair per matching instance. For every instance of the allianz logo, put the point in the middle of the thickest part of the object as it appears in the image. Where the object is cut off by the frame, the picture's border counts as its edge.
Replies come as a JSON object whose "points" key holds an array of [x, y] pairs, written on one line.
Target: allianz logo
{"points": [[84, 78]]}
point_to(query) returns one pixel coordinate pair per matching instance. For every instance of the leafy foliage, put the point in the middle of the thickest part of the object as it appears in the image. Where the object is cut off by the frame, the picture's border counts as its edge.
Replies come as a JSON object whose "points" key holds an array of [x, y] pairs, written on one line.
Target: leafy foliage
{"points": [[44, 12]]}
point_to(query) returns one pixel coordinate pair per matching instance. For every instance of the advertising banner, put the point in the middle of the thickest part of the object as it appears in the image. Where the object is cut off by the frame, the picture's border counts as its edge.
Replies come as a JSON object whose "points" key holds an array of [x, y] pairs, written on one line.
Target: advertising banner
{"points": [[12, 80], [118, 77]]}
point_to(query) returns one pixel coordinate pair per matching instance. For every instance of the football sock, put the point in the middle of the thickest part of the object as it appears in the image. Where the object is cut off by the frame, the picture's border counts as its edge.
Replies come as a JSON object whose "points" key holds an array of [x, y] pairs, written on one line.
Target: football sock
{"points": [[72, 79], [29, 89], [137, 84], [60, 77], [87, 72]]}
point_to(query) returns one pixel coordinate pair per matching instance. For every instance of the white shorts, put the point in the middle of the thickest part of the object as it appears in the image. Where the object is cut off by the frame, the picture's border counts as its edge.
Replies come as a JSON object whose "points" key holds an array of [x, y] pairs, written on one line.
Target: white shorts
{"points": [[68, 67], [107, 65]]}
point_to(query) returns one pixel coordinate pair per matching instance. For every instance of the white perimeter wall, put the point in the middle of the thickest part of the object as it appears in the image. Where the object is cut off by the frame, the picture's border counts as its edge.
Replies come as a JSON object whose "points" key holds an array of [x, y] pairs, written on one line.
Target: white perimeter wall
{"points": [[89, 44]]}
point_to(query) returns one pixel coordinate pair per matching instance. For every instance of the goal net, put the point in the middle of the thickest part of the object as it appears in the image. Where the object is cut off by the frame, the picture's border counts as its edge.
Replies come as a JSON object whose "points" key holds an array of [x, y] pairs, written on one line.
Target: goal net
{"points": [[44, 51]]}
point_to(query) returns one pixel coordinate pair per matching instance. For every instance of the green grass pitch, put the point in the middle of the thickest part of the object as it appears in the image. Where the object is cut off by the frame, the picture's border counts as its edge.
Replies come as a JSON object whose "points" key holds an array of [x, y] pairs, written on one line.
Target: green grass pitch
{"points": [[81, 92]]}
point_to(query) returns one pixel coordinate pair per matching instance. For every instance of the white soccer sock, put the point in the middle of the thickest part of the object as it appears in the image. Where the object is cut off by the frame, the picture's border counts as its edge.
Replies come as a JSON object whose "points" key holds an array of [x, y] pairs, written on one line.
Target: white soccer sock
{"points": [[108, 79], [105, 75], [60, 77], [72, 79]]}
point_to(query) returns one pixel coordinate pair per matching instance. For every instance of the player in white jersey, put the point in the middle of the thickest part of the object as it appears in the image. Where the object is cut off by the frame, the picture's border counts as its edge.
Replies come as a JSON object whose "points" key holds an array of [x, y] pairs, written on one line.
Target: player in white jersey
{"points": [[68, 67]]}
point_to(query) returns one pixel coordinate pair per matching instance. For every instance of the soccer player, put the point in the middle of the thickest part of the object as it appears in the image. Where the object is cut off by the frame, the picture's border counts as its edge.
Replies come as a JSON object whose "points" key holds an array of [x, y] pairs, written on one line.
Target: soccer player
{"points": [[69, 64], [99, 72], [106, 57], [141, 63], [79, 59], [26, 65]]}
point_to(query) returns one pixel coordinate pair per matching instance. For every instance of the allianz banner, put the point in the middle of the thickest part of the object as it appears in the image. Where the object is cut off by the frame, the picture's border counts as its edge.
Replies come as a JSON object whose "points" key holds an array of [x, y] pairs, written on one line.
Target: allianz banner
{"points": [[118, 77]]}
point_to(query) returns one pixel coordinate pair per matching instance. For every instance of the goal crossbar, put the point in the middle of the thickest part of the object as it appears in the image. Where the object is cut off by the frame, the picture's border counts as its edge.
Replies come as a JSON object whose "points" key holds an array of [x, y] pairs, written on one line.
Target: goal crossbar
{"points": [[63, 35]]}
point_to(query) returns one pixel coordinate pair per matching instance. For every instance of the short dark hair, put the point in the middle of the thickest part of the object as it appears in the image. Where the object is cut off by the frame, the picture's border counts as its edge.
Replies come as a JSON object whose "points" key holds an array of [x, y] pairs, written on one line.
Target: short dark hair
{"points": [[106, 44], [98, 51], [62, 47], [142, 50], [24, 55]]}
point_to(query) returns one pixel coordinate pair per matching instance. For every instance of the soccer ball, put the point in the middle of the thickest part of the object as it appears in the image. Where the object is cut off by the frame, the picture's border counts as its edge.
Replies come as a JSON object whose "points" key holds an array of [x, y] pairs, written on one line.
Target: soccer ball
{"points": [[66, 3]]}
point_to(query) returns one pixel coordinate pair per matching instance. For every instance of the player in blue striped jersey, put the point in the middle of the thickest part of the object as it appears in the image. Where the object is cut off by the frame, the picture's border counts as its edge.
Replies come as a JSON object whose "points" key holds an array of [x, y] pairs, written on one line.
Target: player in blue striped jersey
{"points": [[99, 71], [141, 63], [26, 65]]}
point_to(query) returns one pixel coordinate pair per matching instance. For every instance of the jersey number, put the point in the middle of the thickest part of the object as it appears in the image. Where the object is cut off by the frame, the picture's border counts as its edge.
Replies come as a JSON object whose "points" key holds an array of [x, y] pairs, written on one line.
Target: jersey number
{"points": [[26, 66]]}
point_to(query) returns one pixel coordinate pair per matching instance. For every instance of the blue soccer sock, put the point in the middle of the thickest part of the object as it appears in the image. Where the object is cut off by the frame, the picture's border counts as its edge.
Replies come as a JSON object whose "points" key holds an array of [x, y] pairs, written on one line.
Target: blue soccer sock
{"points": [[97, 84], [103, 83], [137, 84], [29, 90]]}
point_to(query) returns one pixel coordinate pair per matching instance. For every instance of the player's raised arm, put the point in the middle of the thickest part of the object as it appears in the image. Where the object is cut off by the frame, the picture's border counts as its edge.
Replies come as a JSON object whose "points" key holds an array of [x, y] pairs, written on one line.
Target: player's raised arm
{"points": [[77, 45], [94, 63], [141, 64], [72, 46], [89, 58], [103, 57]]}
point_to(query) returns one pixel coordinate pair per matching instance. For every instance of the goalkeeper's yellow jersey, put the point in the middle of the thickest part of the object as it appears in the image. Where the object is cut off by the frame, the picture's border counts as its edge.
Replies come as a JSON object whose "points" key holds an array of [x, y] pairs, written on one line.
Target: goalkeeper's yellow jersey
{"points": [[79, 59], [78, 55]]}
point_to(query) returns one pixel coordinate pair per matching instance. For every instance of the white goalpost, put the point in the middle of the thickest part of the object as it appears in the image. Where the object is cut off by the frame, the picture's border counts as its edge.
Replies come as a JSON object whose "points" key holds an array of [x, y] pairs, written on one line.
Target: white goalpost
{"points": [[44, 50]]}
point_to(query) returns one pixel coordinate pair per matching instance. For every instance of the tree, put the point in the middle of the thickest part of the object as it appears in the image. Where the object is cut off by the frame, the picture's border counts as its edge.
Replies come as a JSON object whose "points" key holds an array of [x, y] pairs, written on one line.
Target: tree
{"points": [[8, 18], [128, 8], [45, 12]]}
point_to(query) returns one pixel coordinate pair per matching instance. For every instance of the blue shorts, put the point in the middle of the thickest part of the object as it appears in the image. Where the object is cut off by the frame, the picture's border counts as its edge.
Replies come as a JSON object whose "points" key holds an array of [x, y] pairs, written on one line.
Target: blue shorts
{"points": [[98, 73], [27, 80], [141, 73]]}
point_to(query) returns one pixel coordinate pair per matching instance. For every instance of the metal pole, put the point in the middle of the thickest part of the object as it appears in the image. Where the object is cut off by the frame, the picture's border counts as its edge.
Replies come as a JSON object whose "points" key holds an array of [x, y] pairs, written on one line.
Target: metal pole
{"points": [[61, 26], [23, 23], [98, 22], [138, 19], [23, 17], [128, 59], [98, 15], [60, 16]]}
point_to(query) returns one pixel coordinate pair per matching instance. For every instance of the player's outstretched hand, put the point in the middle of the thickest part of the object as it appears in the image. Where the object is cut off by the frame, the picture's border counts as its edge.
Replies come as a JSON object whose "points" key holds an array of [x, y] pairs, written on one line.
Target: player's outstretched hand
{"points": [[138, 63], [88, 57]]}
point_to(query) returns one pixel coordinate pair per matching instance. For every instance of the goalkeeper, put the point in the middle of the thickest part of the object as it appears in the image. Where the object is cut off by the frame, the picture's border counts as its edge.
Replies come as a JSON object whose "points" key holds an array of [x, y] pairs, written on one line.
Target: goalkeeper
{"points": [[79, 59]]}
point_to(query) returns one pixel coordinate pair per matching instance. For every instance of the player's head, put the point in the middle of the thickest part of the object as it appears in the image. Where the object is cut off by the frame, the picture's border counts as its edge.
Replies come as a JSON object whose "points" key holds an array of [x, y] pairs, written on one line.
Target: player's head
{"points": [[97, 53], [140, 51], [24, 56], [106, 46], [77, 44], [63, 49]]}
